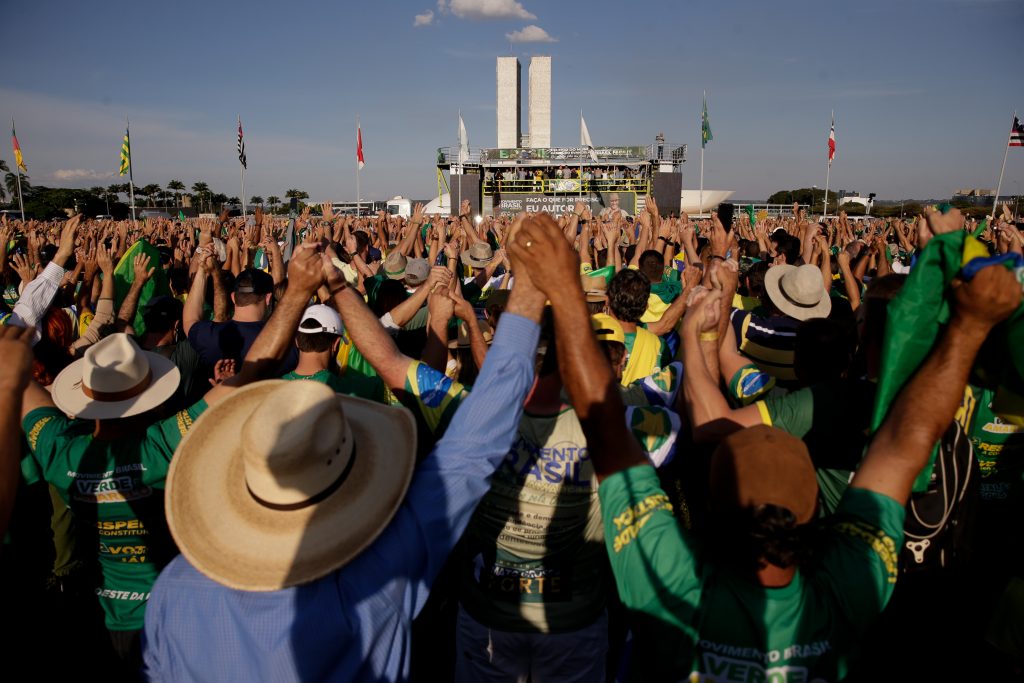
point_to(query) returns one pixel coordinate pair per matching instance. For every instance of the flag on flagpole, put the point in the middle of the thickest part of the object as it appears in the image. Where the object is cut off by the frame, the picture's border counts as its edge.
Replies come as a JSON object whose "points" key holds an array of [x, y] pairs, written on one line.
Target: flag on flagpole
{"points": [[19, 160], [1016, 134], [585, 140], [705, 126], [126, 155], [359, 147], [463, 141], [241, 145], [832, 141]]}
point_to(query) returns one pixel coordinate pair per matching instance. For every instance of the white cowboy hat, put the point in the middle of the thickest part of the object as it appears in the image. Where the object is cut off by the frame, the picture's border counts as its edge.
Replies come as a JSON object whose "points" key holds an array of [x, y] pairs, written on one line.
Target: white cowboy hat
{"points": [[115, 379], [283, 482], [798, 291]]}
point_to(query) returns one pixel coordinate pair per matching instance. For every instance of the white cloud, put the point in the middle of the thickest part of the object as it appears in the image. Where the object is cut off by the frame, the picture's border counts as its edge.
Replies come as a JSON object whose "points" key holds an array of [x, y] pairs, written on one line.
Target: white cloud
{"points": [[530, 34], [80, 174], [489, 9], [425, 19]]}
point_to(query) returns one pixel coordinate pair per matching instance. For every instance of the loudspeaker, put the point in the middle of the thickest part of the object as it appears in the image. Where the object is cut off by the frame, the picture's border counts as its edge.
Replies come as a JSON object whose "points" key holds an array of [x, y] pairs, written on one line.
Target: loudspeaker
{"points": [[667, 189], [466, 186]]}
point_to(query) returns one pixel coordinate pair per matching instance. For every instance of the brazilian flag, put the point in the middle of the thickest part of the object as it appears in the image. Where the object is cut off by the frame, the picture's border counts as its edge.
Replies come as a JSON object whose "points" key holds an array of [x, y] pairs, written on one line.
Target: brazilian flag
{"points": [[917, 315], [124, 275]]}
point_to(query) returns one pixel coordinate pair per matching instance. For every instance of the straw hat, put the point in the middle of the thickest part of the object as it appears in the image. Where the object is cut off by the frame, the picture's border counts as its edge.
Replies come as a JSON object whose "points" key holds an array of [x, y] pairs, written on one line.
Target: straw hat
{"points": [[394, 265], [115, 379], [283, 482], [798, 291], [463, 340], [595, 288], [478, 255]]}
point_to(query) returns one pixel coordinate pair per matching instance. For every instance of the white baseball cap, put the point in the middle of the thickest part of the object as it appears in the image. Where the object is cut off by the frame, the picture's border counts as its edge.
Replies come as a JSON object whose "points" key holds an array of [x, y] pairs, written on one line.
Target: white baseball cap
{"points": [[320, 318]]}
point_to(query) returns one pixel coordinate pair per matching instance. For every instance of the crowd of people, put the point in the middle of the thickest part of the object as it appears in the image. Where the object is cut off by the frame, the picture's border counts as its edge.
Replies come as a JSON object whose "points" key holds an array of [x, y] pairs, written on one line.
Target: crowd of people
{"points": [[531, 448]]}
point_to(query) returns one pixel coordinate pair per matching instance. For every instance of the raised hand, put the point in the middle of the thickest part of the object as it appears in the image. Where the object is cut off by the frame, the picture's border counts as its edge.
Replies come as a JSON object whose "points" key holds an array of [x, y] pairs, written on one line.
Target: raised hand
{"points": [[548, 258], [21, 266], [988, 298], [464, 209], [305, 270], [140, 266], [103, 260]]}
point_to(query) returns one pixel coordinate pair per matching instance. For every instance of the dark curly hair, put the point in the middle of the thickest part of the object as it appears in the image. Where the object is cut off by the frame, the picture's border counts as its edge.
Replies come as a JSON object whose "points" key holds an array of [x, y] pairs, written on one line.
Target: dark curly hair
{"points": [[627, 295], [751, 538]]}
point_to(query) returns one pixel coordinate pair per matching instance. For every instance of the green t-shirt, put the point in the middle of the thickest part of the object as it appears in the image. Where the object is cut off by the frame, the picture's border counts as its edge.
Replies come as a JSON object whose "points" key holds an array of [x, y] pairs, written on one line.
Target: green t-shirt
{"points": [[115, 490], [998, 446], [352, 383], [698, 620]]}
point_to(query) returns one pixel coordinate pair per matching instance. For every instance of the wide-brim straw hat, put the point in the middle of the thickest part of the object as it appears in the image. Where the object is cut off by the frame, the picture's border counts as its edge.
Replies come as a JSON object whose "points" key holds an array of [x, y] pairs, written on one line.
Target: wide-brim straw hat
{"points": [[115, 378], [283, 482], [798, 291]]}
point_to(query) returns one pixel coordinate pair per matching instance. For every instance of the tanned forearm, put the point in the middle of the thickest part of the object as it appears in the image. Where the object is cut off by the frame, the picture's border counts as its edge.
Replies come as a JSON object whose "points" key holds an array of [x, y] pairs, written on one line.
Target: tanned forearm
{"points": [[221, 300], [370, 337], [126, 314], [592, 388]]}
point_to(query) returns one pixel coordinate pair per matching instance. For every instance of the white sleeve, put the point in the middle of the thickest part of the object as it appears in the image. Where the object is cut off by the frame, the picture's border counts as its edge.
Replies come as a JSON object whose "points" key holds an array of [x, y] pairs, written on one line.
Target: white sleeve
{"points": [[35, 300]]}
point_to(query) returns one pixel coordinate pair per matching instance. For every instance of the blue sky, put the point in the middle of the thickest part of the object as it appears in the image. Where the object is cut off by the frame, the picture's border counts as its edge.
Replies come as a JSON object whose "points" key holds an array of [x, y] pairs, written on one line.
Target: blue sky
{"points": [[923, 90]]}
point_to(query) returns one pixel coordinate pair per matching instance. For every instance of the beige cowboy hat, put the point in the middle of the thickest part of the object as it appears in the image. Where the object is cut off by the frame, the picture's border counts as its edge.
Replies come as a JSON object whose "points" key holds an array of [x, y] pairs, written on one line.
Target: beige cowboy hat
{"points": [[463, 340], [394, 265], [283, 482], [478, 255], [594, 288], [798, 291], [115, 379]]}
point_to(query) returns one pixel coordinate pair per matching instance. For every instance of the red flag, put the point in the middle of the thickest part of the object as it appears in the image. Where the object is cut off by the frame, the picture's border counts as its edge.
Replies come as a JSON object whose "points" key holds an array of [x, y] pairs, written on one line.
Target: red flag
{"points": [[832, 141], [359, 147]]}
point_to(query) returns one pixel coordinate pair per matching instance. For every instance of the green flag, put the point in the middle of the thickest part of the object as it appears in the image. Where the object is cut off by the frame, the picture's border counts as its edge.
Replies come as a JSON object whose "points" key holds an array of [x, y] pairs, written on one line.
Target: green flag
{"points": [[915, 318], [705, 126], [607, 273], [750, 212], [124, 275]]}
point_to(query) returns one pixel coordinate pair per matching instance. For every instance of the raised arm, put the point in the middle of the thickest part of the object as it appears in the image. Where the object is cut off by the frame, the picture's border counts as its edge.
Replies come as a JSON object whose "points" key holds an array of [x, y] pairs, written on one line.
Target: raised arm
{"points": [[15, 376], [925, 407], [366, 332], [551, 264]]}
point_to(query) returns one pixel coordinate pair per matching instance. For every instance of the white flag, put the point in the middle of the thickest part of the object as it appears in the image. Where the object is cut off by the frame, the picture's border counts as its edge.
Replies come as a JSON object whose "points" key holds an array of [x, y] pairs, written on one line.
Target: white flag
{"points": [[463, 141], [585, 138]]}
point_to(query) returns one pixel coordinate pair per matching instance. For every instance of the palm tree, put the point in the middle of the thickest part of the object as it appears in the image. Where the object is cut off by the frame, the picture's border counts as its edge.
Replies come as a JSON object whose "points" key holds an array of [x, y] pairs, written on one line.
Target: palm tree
{"points": [[201, 190], [176, 186], [11, 183], [273, 200], [256, 200], [4, 169], [152, 191], [298, 194], [219, 199]]}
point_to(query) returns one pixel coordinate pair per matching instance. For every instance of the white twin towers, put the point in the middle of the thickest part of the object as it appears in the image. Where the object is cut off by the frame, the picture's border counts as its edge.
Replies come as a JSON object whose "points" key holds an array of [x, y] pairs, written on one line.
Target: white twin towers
{"points": [[510, 133]]}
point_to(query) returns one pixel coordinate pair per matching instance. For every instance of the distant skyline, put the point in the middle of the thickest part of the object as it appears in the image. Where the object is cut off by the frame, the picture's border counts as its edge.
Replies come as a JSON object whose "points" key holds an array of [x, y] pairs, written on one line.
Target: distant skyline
{"points": [[923, 90]]}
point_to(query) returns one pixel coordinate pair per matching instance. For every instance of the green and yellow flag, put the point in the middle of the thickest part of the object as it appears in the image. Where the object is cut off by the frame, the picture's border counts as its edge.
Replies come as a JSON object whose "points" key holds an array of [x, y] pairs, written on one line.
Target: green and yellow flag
{"points": [[126, 155], [124, 275]]}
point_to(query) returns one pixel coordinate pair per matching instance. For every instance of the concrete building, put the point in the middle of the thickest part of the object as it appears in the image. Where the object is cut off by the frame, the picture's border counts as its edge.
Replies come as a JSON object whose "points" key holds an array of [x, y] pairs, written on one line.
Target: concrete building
{"points": [[509, 117], [540, 102]]}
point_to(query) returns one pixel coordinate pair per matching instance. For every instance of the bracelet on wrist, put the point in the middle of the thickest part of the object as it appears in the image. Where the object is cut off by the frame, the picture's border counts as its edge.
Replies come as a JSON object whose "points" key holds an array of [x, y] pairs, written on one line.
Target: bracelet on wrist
{"points": [[709, 336]]}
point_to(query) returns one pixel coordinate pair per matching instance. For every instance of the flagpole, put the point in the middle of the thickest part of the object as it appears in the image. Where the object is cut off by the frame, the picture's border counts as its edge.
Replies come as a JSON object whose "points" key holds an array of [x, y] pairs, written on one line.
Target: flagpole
{"points": [[21, 202], [359, 204], [581, 153], [241, 167], [999, 185], [824, 207], [703, 115], [131, 163]]}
